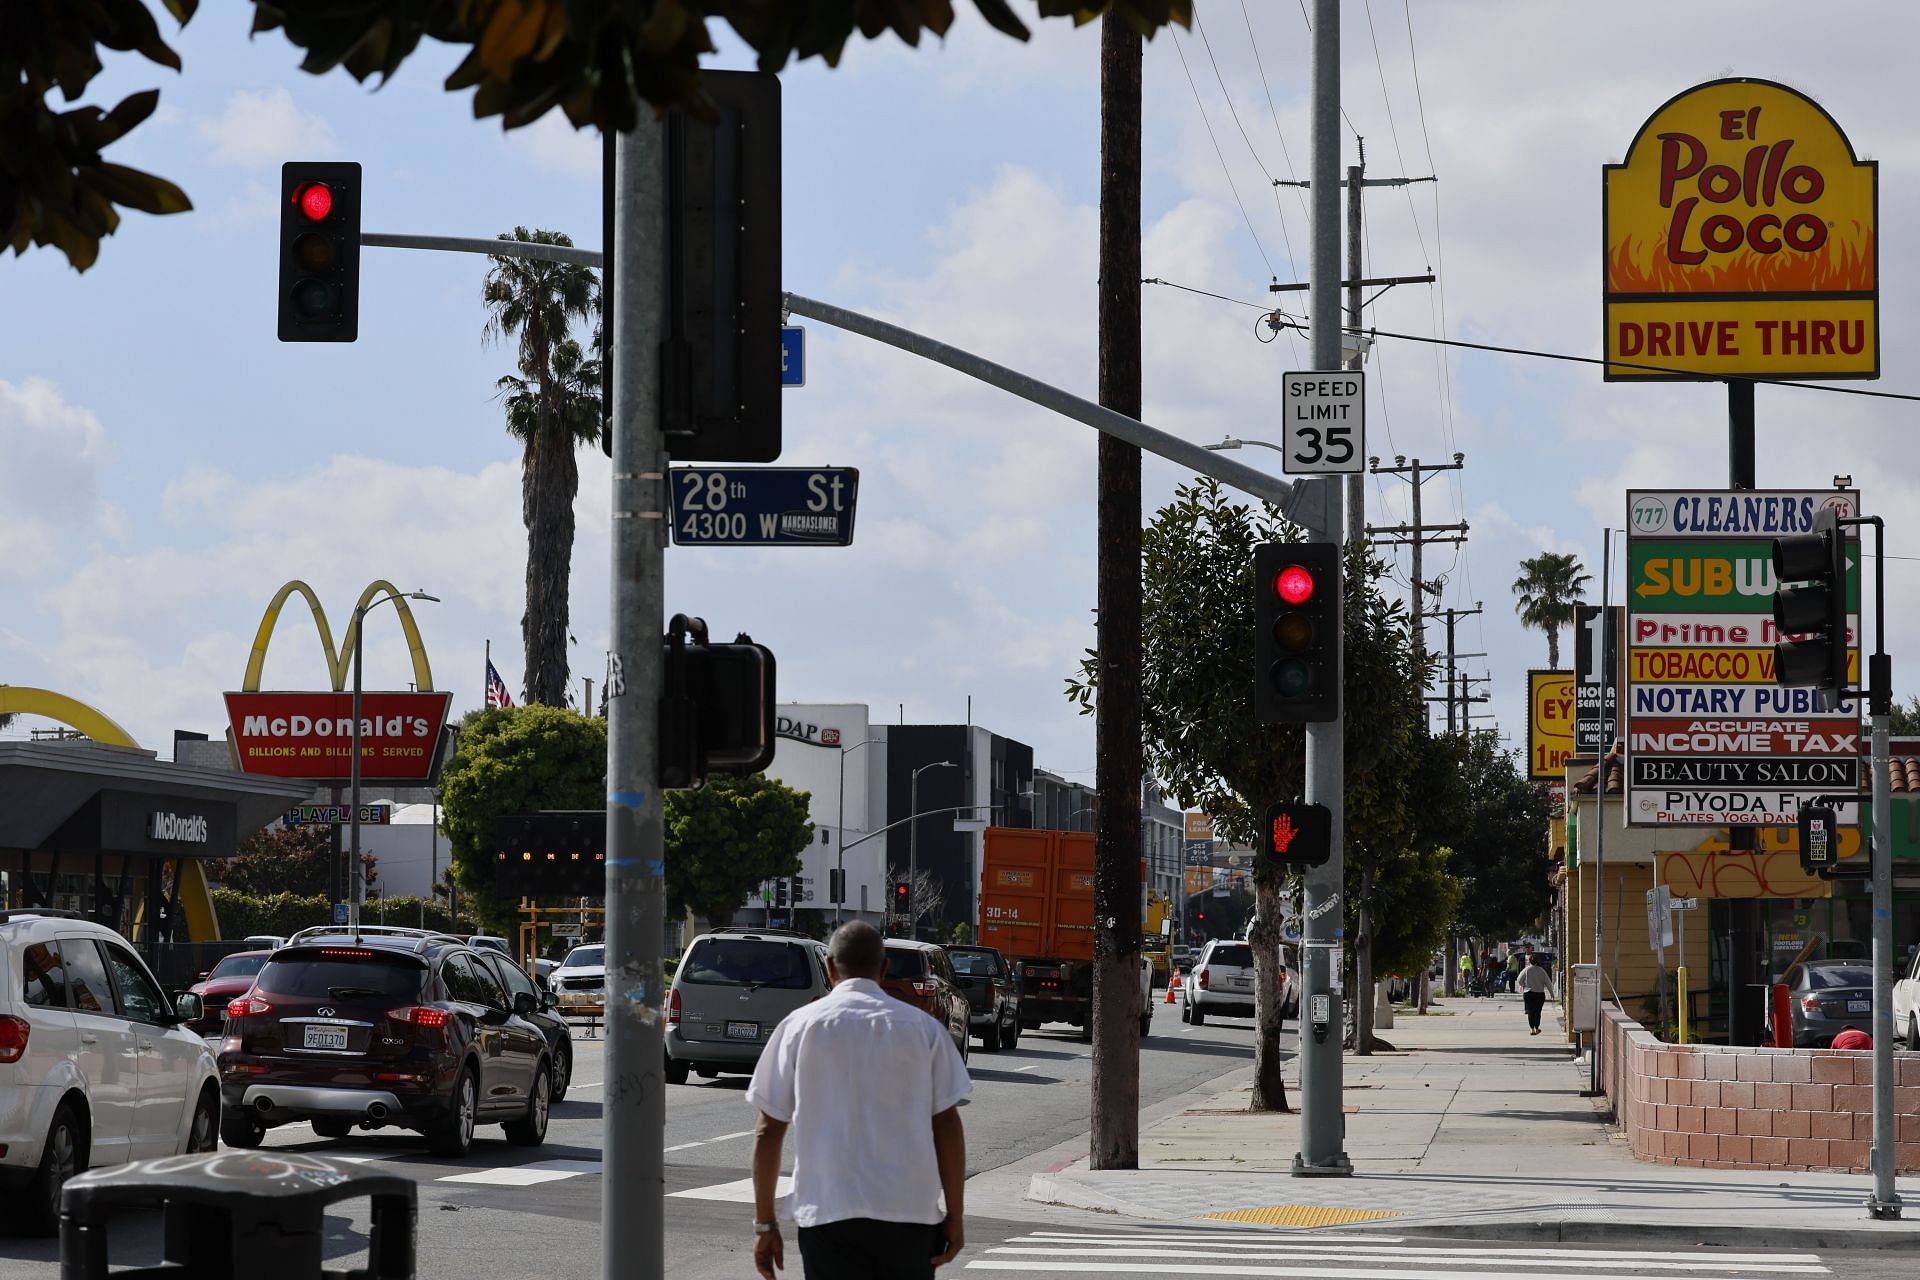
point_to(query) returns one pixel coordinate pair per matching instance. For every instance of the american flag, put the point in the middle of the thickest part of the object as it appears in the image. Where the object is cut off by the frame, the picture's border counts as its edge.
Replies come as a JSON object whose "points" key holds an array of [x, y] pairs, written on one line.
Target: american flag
{"points": [[497, 695]]}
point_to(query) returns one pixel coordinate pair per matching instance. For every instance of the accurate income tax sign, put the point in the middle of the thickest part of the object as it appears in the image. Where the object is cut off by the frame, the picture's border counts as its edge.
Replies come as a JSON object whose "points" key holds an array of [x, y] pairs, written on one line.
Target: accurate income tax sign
{"points": [[1711, 739], [1741, 237]]}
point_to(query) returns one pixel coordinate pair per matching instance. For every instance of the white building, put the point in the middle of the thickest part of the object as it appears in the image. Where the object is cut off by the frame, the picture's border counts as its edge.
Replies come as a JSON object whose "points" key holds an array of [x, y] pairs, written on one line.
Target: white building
{"points": [[835, 754]]}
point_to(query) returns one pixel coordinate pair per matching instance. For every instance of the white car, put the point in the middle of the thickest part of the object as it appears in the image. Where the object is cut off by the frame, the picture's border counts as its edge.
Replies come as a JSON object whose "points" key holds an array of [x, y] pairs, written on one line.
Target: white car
{"points": [[1221, 982], [1906, 1003], [79, 1012], [580, 983]]}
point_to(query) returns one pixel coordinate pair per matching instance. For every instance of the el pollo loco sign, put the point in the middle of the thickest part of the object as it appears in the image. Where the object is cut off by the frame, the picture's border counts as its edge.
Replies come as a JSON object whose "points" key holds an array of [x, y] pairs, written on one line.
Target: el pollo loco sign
{"points": [[1741, 239]]}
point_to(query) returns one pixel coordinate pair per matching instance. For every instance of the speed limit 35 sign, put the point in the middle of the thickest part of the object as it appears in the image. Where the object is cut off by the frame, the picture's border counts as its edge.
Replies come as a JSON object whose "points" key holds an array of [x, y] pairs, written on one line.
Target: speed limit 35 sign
{"points": [[1323, 423]]}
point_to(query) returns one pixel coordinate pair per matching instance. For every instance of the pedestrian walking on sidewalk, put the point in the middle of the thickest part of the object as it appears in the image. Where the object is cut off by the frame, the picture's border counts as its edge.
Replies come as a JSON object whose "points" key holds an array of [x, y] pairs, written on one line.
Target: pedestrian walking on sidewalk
{"points": [[1512, 982], [1534, 984], [871, 1088]]}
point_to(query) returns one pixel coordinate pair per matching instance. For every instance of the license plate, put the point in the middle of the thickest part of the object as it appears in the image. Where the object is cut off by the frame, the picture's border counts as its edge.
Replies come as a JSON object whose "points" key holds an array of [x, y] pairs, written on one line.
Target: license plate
{"points": [[325, 1037], [743, 1031], [1240, 982], [1859, 1006]]}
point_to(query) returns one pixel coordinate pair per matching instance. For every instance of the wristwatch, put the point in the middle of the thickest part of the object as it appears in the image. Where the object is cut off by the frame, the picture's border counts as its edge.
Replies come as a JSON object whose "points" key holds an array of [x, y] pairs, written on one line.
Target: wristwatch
{"points": [[760, 1228]]}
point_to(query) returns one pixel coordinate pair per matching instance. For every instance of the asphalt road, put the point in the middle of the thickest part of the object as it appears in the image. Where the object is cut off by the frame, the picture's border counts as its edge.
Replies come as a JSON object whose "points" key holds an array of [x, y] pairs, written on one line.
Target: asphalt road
{"points": [[508, 1213]]}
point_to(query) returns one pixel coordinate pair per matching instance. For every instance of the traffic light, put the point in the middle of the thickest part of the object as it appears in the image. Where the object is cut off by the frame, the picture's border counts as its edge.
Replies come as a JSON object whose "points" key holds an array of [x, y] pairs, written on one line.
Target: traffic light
{"points": [[901, 896], [1819, 838], [780, 893], [319, 251], [1297, 835], [721, 360], [1816, 610], [717, 715], [836, 886], [1296, 646]]}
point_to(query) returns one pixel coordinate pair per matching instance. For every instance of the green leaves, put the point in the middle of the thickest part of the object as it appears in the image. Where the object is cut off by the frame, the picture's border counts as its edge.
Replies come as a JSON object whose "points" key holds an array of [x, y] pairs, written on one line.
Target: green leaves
{"points": [[727, 837]]}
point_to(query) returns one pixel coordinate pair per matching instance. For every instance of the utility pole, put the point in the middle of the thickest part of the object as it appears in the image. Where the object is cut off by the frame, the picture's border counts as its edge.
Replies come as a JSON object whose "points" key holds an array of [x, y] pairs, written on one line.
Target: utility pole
{"points": [[1417, 535], [1453, 616], [632, 1194], [1117, 752], [1322, 1119]]}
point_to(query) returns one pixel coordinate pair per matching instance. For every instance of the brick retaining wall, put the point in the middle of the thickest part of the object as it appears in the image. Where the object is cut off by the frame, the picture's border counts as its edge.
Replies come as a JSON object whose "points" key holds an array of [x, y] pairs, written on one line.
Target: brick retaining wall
{"points": [[1752, 1108]]}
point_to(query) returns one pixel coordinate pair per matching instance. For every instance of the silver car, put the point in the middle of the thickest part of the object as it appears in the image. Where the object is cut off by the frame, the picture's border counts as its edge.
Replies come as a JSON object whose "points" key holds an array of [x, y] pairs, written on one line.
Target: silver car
{"points": [[729, 992]]}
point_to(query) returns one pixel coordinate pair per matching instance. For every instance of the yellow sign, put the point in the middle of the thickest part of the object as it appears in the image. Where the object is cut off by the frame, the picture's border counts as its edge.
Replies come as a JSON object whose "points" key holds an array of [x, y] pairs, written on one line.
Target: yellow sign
{"points": [[1741, 238], [1199, 880], [1711, 666], [1199, 826], [338, 660], [1549, 723]]}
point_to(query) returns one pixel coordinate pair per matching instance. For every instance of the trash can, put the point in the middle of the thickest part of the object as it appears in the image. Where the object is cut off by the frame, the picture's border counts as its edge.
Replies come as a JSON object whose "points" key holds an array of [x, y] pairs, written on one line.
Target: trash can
{"points": [[230, 1215]]}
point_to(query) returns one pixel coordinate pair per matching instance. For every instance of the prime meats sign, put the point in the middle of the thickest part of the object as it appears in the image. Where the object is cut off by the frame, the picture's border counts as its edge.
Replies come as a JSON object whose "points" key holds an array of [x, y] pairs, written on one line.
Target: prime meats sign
{"points": [[310, 735], [1740, 238]]}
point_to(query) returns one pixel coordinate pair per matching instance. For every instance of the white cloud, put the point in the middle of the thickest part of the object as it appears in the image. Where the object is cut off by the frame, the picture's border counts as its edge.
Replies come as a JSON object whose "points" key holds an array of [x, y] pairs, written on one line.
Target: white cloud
{"points": [[53, 452], [261, 129], [553, 144]]}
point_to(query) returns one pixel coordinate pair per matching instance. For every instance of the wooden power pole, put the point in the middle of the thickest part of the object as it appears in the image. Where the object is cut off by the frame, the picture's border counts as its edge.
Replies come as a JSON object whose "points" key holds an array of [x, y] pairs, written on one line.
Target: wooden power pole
{"points": [[1117, 752]]}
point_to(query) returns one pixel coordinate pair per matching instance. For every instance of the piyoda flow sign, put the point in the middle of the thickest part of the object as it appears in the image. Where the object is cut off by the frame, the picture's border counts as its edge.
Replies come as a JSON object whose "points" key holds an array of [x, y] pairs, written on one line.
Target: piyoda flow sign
{"points": [[1323, 422]]}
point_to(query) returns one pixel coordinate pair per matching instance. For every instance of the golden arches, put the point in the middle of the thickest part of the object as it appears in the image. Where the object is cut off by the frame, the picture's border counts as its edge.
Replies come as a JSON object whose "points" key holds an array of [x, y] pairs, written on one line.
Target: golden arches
{"points": [[337, 659], [23, 700]]}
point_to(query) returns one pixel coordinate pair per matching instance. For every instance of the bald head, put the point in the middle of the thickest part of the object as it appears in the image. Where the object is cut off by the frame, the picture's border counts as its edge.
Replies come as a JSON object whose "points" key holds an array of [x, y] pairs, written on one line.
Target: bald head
{"points": [[857, 950]]}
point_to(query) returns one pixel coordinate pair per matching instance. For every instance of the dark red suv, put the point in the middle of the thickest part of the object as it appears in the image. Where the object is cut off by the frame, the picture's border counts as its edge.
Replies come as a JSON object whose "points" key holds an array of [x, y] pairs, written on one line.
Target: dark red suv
{"points": [[397, 1027]]}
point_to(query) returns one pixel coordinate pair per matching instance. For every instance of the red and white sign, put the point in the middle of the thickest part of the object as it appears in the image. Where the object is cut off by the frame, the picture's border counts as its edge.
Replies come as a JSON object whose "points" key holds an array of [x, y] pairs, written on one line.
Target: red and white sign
{"points": [[310, 735]]}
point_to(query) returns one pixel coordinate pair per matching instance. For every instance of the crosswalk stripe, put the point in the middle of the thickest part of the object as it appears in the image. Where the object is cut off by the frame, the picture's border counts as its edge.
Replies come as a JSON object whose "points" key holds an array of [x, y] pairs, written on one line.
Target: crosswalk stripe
{"points": [[1304, 1251], [739, 1191], [1314, 1272], [1376, 1245]]}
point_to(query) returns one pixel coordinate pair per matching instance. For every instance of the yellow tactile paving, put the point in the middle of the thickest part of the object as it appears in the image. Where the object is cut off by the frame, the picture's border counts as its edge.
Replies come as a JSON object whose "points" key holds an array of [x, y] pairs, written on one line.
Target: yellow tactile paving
{"points": [[1301, 1215]]}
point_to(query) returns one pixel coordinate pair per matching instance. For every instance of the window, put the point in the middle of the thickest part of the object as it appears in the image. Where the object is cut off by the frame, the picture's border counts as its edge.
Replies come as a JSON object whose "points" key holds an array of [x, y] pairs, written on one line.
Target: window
{"points": [[581, 956], [1822, 977], [975, 963], [1239, 957], [462, 985], [330, 978], [906, 963], [241, 966], [823, 835], [515, 978], [87, 988], [492, 993], [746, 962], [45, 985], [140, 999]]}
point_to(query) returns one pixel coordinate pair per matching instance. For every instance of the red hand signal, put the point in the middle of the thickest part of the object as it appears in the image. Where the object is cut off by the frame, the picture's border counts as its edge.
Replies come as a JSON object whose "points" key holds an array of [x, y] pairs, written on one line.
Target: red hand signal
{"points": [[1283, 832]]}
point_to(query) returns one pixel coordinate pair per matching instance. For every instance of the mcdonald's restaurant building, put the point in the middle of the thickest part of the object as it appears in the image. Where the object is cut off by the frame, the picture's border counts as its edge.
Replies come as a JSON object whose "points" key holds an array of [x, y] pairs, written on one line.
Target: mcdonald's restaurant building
{"points": [[123, 837]]}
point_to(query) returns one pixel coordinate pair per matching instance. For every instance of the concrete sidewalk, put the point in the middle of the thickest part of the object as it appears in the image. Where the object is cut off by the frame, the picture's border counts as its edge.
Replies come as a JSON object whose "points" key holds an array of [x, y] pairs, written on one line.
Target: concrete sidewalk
{"points": [[1468, 1126]]}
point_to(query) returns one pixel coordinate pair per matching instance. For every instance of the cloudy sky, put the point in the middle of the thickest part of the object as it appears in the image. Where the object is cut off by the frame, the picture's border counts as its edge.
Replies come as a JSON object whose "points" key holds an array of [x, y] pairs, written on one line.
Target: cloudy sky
{"points": [[165, 463]]}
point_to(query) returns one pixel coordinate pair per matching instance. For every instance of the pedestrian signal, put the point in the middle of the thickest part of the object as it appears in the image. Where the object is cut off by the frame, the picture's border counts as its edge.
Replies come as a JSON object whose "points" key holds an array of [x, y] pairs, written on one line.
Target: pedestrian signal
{"points": [[1297, 835]]}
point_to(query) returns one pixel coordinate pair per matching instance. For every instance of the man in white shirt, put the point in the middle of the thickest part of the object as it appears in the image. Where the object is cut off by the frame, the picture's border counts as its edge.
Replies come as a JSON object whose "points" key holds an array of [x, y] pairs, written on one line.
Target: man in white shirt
{"points": [[871, 1087], [1534, 983]]}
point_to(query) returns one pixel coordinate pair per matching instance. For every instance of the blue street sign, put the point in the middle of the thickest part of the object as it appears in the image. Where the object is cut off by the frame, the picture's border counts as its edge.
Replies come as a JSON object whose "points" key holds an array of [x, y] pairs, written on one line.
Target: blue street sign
{"points": [[339, 913], [793, 356], [763, 506]]}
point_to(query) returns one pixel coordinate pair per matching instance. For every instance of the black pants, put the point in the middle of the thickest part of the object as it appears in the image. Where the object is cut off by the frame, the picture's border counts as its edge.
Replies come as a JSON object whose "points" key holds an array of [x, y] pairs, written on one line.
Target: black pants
{"points": [[869, 1249], [1536, 1001]]}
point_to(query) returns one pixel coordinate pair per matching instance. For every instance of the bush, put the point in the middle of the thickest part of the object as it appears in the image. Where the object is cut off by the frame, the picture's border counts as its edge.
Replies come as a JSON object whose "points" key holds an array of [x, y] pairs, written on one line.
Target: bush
{"points": [[286, 914]]}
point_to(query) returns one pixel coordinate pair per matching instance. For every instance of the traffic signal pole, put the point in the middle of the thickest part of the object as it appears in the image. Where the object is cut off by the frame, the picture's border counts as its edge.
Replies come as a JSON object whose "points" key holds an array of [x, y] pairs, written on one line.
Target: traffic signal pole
{"points": [[632, 1194], [1885, 1200], [1322, 1122]]}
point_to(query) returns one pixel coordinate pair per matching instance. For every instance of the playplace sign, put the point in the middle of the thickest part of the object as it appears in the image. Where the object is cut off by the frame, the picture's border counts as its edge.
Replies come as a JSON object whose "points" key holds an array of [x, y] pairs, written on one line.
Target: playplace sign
{"points": [[1740, 238], [310, 735]]}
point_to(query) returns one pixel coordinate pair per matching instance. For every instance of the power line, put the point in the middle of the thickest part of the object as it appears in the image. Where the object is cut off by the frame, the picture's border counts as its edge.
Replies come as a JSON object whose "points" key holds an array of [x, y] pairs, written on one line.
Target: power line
{"points": [[1222, 158], [1274, 112], [1309, 21], [1393, 131], [1278, 209], [1208, 293]]}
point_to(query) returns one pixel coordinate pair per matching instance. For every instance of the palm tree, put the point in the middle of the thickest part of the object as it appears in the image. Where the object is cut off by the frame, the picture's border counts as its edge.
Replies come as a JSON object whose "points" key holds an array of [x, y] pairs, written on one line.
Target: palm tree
{"points": [[1549, 586], [547, 411]]}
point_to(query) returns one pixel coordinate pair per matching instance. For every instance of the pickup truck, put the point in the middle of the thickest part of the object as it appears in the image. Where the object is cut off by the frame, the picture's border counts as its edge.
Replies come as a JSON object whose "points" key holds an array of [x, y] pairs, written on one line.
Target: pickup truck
{"points": [[993, 995]]}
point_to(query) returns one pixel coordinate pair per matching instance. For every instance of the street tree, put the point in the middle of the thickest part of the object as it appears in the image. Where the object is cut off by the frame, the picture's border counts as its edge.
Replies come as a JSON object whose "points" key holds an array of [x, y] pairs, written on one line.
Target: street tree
{"points": [[725, 838], [551, 409], [1549, 586], [597, 61], [1198, 724], [1497, 823], [285, 860], [514, 760]]}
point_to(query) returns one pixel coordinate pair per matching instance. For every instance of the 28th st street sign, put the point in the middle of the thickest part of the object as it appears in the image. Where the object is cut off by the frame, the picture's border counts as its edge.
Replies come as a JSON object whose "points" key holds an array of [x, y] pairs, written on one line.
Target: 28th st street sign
{"points": [[764, 506]]}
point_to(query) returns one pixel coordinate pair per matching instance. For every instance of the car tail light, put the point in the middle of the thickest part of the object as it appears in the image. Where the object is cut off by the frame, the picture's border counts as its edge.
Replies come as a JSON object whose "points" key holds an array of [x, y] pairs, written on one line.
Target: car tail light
{"points": [[248, 1007], [1810, 1003], [673, 1007], [418, 1015], [13, 1038], [355, 952], [925, 988], [1203, 979]]}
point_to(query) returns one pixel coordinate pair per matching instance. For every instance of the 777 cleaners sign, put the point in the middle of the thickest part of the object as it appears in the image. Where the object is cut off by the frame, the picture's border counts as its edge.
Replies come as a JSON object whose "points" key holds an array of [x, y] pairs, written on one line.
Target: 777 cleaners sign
{"points": [[1711, 739]]}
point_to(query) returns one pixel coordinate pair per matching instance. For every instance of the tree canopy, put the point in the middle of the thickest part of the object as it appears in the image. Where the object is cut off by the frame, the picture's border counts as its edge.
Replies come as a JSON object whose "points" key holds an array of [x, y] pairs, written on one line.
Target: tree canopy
{"points": [[1496, 822], [728, 836], [515, 760], [1549, 586], [595, 60], [290, 860]]}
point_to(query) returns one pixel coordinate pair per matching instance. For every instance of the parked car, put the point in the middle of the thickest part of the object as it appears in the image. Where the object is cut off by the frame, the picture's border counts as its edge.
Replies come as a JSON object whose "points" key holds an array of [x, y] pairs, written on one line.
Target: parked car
{"points": [[217, 987], [580, 983], [1824, 998], [729, 992], [921, 974], [1906, 1001], [543, 1015], [491, 942], [262, 941], [543, 971], [993, 995], [78, 1010], [1222, 983], [387, 1027], [1182, 956]]}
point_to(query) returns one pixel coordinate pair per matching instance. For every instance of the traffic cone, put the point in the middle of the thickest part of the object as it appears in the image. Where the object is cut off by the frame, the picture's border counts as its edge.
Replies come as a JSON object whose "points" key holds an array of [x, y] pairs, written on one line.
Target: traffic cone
{"points": [[1173, 984]]}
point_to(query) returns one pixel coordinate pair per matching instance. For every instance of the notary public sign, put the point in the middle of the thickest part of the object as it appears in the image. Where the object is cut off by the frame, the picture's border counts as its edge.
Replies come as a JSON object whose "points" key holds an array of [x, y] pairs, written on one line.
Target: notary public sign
{"points": [[310, 735], [1741, 238], [1711, 739]]}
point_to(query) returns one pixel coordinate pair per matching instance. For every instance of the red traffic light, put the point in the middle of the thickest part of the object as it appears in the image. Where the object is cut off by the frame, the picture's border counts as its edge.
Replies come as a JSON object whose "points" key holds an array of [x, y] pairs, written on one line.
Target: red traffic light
{"points": [[1293, 584], [315, 200], [900, 891]]}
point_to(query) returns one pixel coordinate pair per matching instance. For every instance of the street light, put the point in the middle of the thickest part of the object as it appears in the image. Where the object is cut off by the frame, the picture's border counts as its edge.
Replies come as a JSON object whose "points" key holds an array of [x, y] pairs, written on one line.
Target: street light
{"points": [[913, 840], [840, 831], [1232, 442], [356, 893]]}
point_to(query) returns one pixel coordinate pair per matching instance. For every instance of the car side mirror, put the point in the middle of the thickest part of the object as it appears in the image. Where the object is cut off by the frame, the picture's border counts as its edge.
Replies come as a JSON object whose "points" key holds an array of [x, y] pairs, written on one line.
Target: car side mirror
{"points": [[187, 1007], [548, 1000], [524, 1003], [203, 975]]}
